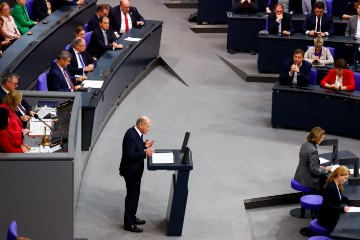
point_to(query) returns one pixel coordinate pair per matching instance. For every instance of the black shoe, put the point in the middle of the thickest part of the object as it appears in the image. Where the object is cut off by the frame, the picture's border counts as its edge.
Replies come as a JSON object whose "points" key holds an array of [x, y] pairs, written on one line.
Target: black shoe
{"points": [[252, 52], [133, 228], [139, 221], [232, 51]]}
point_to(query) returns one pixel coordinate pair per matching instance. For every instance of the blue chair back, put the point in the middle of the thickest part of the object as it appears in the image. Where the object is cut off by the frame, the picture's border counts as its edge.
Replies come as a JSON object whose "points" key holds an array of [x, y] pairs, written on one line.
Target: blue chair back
{"points": [[67, 47], [29, 6], [313, 76], [357, 81], [329, 4], [87, 38], [12, 231], [41, 83], [331, 50], [85, 27]]}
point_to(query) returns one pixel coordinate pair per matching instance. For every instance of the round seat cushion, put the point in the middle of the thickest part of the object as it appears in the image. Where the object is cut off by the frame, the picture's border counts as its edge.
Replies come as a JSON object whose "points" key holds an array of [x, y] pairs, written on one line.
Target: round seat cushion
{"points": [[311, 202], [316, 228], [298, 187], [319, 238]]}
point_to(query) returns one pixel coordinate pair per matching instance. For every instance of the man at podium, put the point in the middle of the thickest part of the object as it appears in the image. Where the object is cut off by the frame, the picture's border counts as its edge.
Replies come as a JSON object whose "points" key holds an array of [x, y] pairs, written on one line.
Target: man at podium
{"points": [[134, 151]]}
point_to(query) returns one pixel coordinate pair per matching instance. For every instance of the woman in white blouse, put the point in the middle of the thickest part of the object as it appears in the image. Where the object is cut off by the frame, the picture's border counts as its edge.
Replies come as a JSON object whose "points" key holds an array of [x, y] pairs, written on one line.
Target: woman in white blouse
{"points": [[318, 54], [10, 30]]}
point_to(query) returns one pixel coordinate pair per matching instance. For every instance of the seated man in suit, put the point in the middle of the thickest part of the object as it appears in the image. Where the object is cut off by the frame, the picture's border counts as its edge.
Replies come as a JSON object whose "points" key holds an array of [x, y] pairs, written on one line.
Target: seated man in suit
{"points": [[318, 23], [81, 62], [102, 10], [295, 70], [280, 22], [10, 82], [59, 79], [352, 25], [240, 6], [102, 39], [123, 17]]}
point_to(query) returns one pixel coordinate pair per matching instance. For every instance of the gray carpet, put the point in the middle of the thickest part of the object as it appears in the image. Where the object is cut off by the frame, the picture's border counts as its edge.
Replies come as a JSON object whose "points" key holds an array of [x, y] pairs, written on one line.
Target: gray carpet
{"points": [[237, 154]]}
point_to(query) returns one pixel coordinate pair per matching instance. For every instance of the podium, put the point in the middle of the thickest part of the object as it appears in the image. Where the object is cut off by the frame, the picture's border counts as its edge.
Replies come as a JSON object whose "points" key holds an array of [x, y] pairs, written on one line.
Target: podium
{"points": [[178, 190]]}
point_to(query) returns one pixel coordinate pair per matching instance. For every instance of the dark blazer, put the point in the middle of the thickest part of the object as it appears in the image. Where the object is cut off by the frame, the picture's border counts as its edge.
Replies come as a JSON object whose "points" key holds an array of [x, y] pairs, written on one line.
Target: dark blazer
{"points": [[331, 206], [286, 23], [39, 10], [308, 172], [303, 79], [24, 103], [115, 17], [237, 7], [56, 4], [93, 23], [56, 80], [327, 24], [133, 154], [97, 45], [73, 66]]}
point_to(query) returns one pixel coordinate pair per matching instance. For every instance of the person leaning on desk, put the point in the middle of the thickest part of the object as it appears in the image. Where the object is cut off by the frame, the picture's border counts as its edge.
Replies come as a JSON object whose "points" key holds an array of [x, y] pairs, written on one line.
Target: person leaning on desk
{"points": [[319, 54], [15, 127], [333, 200], [339, 78], [8, 142], [309, 173]]}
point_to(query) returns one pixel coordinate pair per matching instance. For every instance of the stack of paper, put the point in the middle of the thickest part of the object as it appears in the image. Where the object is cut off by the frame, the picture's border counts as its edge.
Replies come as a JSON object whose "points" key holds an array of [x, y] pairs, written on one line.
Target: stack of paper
{"points": [[164, 157]]}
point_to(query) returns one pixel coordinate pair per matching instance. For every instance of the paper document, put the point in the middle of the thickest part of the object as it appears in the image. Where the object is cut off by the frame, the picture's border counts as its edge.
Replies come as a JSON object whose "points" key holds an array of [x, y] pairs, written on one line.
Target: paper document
{"points": [[37, 127], [352, 171], [44, 111], [34, 150], [333, 167], [354, 209], [323, 160], [92, 84], [132, 39], [166, 157]]}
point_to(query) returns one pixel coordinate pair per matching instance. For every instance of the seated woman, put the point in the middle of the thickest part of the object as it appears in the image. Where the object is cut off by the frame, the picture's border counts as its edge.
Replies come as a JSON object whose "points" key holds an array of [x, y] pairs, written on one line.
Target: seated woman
{"points": [[339, 78], [333, 200], [309, 173], [10, 30], [318, 53], [41, 9], [4, 42], [79, 32], [8, 143], [247, 6], [15, 127], [21, 16]]}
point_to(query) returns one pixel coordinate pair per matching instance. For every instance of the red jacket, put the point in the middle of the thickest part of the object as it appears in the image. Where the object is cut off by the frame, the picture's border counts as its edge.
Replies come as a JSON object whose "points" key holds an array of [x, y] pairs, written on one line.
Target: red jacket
{"points": [[347, 81], [8, 143], [14, 125]]}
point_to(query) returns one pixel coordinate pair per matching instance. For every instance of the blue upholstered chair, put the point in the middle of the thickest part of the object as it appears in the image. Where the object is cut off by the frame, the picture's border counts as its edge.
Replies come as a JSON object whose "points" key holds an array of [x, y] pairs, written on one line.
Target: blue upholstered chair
{"points": [[300, 212], [357, 81], [319, 238], [29, 7], [316, 228], [41, 84], [85, 27], [67, 47], [329, 4], [12, 231], [313, 76], [312, 203], [87, 38]]}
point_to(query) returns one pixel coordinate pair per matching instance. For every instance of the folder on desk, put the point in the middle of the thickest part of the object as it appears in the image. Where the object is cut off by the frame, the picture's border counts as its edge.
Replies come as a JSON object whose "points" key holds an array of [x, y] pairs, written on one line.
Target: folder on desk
{"points": [[163, 157]]}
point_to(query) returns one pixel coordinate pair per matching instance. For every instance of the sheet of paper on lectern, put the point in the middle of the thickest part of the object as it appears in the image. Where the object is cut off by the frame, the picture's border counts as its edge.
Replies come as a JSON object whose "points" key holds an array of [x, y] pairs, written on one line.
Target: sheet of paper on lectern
{"points": [[333, 167], [164, 157], [92, 84], [354, 209], [37, 127], [323, 160], [132, 39], [352, 171]]}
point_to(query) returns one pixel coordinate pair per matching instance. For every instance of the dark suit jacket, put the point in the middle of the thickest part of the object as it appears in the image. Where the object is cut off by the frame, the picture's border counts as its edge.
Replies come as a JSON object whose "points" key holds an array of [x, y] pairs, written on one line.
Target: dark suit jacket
{"points": [[24, 103], [303, 79], [327, 24], [308, 172], [133, 154], [93, 23], [73, 66], [39, 10], [115, 17], [331, 206], [97, 45], [56, 80], [286, 23], [245, 7], [56, 4], [294, 5]]}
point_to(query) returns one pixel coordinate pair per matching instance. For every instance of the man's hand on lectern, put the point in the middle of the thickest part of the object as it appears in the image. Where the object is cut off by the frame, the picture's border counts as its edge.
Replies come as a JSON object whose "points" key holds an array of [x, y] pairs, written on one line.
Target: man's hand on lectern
{"points": [[149, 152]]}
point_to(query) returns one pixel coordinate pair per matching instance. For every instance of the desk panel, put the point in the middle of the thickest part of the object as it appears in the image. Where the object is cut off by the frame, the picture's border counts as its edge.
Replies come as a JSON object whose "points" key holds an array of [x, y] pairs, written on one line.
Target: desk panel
{"points": [[213, 11]]}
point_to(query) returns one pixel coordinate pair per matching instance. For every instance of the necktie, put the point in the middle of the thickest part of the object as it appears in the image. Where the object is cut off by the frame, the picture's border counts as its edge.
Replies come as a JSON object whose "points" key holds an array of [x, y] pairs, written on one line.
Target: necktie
{"points": [[81, 60], [294, 82], [318, 25], [21, 109], [70, 84], [126, 23], [105, 38]]}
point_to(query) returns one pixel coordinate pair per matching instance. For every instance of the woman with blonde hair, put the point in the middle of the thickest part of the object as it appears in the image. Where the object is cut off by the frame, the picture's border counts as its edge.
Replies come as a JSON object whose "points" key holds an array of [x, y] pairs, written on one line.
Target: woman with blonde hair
{"points": [[15, 127], [10, 30], [318, 54], [309, 173], [333, 200]]}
